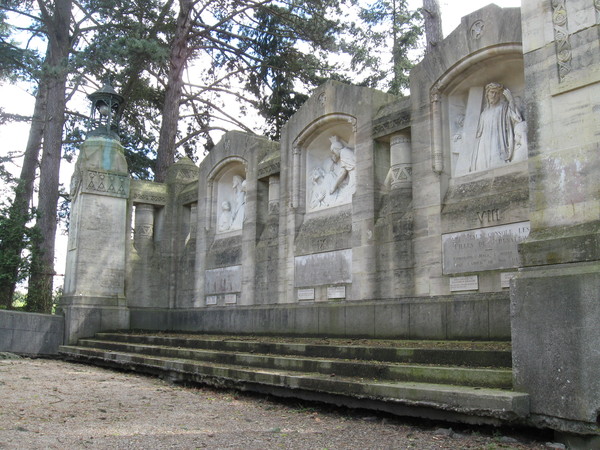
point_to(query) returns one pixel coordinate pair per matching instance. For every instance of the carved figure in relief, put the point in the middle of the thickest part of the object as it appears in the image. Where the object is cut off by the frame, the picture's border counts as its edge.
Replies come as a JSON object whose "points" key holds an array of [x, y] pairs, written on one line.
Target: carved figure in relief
{"points": [[342, 167], [225, 217], [318, 195], [496, 129], [460, 123], [239, 202]]}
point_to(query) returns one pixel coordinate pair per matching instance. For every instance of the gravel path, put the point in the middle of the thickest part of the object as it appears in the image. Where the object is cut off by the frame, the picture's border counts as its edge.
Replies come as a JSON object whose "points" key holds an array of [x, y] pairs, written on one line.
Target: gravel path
{"points": [[59, 405]]}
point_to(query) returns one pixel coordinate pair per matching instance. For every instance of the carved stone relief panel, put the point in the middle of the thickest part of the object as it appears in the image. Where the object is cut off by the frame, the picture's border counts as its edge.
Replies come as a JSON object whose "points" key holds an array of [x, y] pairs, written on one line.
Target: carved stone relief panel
{"points": [[331, 168], [486, 126], [562, 38], [477, 29], [230, 199]]}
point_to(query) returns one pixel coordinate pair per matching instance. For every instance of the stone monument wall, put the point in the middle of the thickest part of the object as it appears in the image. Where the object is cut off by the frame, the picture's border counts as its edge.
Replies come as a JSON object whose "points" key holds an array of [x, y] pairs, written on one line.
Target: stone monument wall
{"points": [[469, 210], [555, 299], [367, 197], [469, 143]]}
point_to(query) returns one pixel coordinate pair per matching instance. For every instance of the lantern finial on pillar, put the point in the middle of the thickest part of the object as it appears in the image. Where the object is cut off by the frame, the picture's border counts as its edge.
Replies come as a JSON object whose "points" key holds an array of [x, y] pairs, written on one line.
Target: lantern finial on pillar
{"points": [[106, 112]]}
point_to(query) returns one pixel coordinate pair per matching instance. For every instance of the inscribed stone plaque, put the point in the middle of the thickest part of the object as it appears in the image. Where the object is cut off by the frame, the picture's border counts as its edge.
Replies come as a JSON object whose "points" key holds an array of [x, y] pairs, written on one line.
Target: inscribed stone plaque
{"points": [[306, 294], [324, 268], [211, 300], [100, 244], [230, 298], [336, 292], [505, 278], [224, 280], [482, 249], [470, 283]]}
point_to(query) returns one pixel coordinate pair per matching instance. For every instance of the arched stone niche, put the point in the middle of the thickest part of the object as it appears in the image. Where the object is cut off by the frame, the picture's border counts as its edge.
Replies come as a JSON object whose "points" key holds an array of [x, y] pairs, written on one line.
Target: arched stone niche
{"points": [[227, 196], [327, 148], [478, 113]]}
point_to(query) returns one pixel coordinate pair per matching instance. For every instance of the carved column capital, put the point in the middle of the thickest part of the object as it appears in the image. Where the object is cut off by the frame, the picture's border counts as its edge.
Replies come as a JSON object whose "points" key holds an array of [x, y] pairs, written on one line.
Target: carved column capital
{"points": [[400, 174], [434, 94], [399, 139], [143, 233]]}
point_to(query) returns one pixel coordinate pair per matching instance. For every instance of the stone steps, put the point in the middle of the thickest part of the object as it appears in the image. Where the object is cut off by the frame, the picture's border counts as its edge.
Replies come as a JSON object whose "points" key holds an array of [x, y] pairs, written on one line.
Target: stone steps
{"points": [[482, 377], [354, 377], [447, 353]]}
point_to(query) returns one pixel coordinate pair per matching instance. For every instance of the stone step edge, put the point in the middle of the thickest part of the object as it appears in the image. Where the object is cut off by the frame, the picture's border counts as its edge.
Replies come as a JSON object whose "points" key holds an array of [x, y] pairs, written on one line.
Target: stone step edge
{"points": [[499, 404], [462, 357], [461, 376]]}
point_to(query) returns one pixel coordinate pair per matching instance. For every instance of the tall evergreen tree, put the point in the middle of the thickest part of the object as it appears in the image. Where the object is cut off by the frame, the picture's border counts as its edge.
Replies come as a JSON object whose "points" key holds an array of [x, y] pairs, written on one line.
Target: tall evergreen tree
{"points": [[381, 41]]}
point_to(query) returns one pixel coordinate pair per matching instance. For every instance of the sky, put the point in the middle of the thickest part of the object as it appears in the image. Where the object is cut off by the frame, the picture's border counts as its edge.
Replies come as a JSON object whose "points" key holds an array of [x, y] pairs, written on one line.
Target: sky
{"points": [[16, 100]]}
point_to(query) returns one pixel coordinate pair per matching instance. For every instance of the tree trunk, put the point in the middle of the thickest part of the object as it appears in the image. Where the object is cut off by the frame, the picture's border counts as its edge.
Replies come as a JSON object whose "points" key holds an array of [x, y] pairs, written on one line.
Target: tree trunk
{"points": [[179, 55], [12, 246], [433, 23], [59, 43]]}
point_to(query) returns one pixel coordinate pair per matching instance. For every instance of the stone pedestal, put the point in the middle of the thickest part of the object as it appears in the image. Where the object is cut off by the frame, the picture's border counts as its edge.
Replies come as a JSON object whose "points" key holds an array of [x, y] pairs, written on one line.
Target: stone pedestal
{"points": [[555, 298], [94, 290]]}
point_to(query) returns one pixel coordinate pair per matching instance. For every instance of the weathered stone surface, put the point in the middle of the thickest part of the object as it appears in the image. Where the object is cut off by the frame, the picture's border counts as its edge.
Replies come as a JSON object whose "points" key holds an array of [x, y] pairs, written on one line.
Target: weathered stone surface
{"points": [[94, 289], [465, 393], [482, 249], [476, 316], [324, 268], [30, 334], [554, 297], [554, 310]]}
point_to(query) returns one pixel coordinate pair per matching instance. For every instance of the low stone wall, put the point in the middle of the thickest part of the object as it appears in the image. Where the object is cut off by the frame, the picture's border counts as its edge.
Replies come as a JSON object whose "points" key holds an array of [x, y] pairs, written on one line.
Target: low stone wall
{"points": [[30, 333], [477, 316]]}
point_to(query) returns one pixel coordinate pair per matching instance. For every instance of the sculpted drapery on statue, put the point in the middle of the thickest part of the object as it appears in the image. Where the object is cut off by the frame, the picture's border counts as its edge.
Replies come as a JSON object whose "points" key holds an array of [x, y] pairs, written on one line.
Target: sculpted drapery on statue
{"points": [[343, 165], [224, 223], [319, 194], [496, 138], [333, 181], [239, 202], [231, 216]]}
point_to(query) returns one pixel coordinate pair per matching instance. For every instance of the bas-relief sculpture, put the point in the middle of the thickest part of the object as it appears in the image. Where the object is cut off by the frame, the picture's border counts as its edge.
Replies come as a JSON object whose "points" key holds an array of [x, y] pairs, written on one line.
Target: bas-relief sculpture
{"points": [[333, 182], [493, 137], [231, 216], [224, 223]]}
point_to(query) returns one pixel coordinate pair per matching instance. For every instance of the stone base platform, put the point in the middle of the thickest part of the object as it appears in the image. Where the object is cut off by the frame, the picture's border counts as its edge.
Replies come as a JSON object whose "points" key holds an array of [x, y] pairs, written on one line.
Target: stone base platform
{"points": [[477, 316], [458, 381]]}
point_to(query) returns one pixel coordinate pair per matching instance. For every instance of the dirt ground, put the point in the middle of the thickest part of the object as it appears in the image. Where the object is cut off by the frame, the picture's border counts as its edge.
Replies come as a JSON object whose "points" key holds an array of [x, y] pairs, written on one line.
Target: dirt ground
{"points": [[59, 405]]}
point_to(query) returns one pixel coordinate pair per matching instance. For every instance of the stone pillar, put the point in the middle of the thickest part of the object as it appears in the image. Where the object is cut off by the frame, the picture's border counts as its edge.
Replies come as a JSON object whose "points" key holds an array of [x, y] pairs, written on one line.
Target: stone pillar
{"points": [[94, 291], [140, 282], [437, 153], [274, 195], [296, 168], [555, 298], [401, 217], [143, 234], [174, 235], [193, 223], [364, 251], [249, 236]]}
